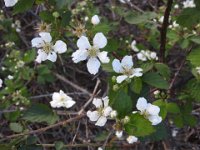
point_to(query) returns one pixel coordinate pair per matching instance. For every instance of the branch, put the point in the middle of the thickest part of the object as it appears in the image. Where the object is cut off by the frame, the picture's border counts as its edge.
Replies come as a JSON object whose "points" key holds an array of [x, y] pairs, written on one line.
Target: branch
{"points": [[45, 128], [72, 84], [163, 31]]}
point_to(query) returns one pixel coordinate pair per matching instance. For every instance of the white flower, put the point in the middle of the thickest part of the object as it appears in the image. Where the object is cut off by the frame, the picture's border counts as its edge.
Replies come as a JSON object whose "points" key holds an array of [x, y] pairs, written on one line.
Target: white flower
{"points": [[161, 19], [1, 82], [147, 55], [189, 4], [99, 148], [113, 114], [119, 134], [126, 119], [103, 111], [92, 53], [176, 6], [46, 50], [134, 47], [125, 67], [61, 100], [198, 70], [124, 1], [10, 3], [151, 112], [156, 92], [10, 77], [95, 20], [132, 139]]}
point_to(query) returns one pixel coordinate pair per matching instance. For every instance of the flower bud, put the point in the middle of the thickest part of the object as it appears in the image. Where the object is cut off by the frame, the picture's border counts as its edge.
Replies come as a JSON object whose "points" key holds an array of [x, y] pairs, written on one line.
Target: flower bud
{"points": [[95, 20], [119, 134]]}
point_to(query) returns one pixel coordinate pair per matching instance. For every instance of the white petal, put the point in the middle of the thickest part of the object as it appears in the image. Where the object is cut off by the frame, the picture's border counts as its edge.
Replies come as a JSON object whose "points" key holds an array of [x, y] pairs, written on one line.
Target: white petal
{"points": [[132, 139], [10, 3], [42, 56], [121, 78], [141, 104], [105, 101], [56, 96], [137, 72], [93, 65], [79, 55], [1, 82], [93, 115], [95, 20], [83, 43], [69, 103], [100, 40], [52, 56], [60, 47], [117, 67], [152, 109], [37, 42], [127, 62], [103, 57], [119, 134], [155, 119], [107, 111], [46, 36], [97, 102], [101, 121]]}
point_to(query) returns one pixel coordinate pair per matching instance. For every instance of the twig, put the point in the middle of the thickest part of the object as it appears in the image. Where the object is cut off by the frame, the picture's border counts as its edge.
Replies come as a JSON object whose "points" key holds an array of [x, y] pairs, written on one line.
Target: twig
{"points": [[49, 95], [61, 123], [163, 30], [91, 98], [72, 84]]}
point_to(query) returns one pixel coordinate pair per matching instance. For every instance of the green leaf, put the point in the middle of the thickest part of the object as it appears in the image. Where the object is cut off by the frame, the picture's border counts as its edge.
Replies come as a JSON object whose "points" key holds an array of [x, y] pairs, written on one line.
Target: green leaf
{"points": [[16, 127], [40, 113], [162, 105], [163, 69], [194, 57], [29, 56], [137, 18], [136, 85], [139, 126], [192, 14], [172, 108], [6, 147], [46, 16], [23, 5], [195, 39], [121, 102], [59, 145], [160, 134], [104, 28], [155, 80]]}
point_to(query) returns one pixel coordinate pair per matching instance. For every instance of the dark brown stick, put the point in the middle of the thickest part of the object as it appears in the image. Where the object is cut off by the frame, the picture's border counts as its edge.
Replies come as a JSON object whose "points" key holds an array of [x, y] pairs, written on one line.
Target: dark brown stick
{"points": [[163, 31]]}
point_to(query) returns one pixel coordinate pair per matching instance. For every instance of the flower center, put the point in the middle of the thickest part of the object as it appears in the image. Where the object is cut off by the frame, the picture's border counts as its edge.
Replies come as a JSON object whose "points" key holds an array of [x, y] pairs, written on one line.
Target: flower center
{"points": [[93, 51], [127, 71], [47, 48], [100, 111], [145, 114]]}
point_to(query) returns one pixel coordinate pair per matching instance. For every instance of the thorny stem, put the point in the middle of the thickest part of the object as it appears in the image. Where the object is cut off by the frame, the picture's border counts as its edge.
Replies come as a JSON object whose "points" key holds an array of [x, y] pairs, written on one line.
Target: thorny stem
{"points": [[163, 31]]}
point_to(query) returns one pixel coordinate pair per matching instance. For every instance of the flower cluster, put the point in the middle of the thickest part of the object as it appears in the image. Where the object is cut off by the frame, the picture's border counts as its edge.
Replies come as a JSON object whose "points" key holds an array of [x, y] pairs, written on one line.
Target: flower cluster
{"points": [[189, 4], [147, 55], [46, 49]]}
